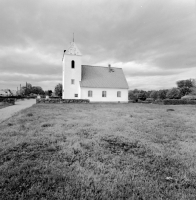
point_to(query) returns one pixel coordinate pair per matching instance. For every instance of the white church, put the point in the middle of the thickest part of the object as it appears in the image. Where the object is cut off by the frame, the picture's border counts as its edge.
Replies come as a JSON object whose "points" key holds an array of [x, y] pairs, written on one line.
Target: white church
{"points": [[98, 84]]}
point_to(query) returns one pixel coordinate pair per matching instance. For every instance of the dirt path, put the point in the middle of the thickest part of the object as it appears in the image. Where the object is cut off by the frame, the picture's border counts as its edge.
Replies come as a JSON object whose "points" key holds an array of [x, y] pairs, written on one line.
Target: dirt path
{"points": [[11, 110]]}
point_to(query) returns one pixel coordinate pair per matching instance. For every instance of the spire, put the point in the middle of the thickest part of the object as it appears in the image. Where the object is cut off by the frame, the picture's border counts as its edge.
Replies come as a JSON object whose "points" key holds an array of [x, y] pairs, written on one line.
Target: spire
{"points": [[73, 49]]}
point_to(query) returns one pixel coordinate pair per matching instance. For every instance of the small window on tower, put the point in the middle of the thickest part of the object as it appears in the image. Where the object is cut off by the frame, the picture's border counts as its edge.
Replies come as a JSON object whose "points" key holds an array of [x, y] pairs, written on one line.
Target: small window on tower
{"points": [[72, 81], [72, 64], [76, 95]]}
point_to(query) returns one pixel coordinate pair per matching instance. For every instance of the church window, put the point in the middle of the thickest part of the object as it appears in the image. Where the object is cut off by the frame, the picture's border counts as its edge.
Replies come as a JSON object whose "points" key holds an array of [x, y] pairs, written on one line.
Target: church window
{"points": [[103, 93], [72, 64], [76, 95], [72, 81], [118, 93], [90, 93]]}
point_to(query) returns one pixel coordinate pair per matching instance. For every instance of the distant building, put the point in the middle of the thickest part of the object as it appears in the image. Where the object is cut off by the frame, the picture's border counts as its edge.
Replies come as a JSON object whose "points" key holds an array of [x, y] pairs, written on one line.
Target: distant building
{"points": [[3, 93], [7, 92], [98, 84]]}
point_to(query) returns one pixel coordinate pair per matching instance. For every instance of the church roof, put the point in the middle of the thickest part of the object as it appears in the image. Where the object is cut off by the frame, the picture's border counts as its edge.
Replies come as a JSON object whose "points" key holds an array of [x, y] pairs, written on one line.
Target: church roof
{"points": [[73, 50], [100, 77]]}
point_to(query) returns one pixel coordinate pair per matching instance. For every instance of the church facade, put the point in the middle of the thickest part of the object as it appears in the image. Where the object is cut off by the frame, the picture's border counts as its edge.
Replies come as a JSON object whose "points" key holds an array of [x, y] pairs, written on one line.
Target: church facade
{"points": [[96, 83]]}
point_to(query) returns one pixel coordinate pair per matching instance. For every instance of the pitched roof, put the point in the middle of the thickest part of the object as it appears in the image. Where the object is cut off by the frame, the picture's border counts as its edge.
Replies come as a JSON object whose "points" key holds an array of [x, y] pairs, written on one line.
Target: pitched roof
{"points": [[100, 77], [73, 50]]}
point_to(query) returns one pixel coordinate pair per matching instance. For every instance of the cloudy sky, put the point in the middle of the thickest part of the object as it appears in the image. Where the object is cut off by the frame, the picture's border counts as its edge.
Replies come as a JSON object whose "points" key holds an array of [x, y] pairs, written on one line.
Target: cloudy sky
{"points": [[154, 41]]}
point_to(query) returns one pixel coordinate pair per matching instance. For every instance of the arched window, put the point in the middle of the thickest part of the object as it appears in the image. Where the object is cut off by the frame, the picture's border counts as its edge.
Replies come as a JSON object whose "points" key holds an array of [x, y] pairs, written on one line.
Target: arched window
{"points": [[118, 93], [72, 64], [90, 93]]}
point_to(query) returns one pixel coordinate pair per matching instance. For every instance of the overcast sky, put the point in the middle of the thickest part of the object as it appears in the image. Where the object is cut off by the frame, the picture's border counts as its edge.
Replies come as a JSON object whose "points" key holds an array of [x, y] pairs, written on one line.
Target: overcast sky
{"points": [[154, 41]]}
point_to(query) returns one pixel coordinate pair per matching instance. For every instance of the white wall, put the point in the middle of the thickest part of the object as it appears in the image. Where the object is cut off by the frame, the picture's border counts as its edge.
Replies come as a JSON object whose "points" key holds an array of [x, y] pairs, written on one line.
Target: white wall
{"points": [[110, 97], [70, 90]]}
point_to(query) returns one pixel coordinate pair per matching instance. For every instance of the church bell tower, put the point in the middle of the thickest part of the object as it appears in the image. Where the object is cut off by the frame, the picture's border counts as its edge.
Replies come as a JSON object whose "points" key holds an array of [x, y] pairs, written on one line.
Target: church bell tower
{"points": [[72, 61]]}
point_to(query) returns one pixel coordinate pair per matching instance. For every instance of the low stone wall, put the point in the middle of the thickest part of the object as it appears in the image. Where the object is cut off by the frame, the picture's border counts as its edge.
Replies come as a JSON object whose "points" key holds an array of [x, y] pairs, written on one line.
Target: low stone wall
{"points": [[62, 101], [178, 102]]}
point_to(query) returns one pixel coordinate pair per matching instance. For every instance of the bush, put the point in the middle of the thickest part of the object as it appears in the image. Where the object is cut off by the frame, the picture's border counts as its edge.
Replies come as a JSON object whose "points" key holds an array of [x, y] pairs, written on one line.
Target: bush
{"points": [[132, 96], [184, 91], [139, 101], [158, 101], [150, 99], [141, 96], [162, 94], [7, 100], [154, 95], [178, 101], [193, 91], [132, 101], [189, 97], [174, 93]]}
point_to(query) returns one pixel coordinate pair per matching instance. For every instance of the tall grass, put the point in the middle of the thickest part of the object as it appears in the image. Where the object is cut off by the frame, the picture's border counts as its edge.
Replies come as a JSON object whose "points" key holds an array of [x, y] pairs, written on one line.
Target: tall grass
{"points": [[99, 151]]}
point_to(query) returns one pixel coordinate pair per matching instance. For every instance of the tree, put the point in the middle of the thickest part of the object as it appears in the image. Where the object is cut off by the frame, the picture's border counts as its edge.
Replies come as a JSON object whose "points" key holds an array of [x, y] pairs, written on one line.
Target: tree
{"points": [[37, 90], [180, 83], [26, 90], [154, 94], [174, 93], [148, 93], [194, 82], [161, 94], [141, 95], [193, 91], [131, 95], [58, 90], [48, 92], [185, 91], [185, 83]]}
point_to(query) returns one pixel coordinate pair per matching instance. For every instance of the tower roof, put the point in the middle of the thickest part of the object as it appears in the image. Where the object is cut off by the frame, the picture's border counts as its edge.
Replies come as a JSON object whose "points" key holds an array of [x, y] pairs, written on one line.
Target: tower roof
{"points": [[73, 50]]}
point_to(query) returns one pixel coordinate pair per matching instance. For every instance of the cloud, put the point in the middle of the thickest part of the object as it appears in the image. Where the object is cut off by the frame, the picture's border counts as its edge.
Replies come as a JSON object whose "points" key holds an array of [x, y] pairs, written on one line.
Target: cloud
{"points": [[146, 38]]}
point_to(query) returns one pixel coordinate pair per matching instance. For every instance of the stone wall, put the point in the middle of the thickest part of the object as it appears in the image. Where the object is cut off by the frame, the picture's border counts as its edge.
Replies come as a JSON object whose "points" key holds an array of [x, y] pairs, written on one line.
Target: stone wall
{"points": [[62, 101]]}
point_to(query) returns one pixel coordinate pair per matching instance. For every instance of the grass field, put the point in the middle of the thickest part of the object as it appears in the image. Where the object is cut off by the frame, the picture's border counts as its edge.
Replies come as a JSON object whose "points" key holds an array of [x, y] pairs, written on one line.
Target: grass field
{"points": [[99, 151]]}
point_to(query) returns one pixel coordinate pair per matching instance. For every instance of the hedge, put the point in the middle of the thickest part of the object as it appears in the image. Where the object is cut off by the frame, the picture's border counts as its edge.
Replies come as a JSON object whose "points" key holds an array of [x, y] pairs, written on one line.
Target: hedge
{"points": [[178, 101], [7, 100], [17, 97], [189, 97], [42, 100]]}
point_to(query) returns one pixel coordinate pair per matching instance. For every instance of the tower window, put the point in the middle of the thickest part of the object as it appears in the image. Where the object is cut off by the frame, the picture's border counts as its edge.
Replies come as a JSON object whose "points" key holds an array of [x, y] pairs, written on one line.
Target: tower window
{"points": [[72, 64], [76, 95], [72, 81], [118, 93], [103, 93], [90, 93]]}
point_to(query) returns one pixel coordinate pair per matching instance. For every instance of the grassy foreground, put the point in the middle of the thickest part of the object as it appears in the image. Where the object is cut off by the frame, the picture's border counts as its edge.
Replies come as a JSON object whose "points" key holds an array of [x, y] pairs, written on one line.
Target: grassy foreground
{"points": [[99, 151]]}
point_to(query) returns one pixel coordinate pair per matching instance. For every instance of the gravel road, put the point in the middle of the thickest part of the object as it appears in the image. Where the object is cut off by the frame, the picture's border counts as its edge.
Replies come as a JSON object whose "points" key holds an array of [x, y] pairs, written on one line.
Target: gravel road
{"points": [[9, 111]]}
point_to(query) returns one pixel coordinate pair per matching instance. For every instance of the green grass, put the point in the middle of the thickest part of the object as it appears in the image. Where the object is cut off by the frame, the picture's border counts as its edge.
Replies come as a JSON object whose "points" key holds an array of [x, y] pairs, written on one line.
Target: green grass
{"points": [[99, 151]]}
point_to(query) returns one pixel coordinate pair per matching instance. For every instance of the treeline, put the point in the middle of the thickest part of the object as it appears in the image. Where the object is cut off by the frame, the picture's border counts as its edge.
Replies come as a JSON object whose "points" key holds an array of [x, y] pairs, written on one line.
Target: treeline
{"points": [[184, 88], [30, 90]]}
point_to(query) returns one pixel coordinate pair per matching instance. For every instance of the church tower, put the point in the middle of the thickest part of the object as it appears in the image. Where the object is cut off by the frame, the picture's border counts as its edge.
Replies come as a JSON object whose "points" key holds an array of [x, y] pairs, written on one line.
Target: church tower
{"points": [[72, 61]]}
